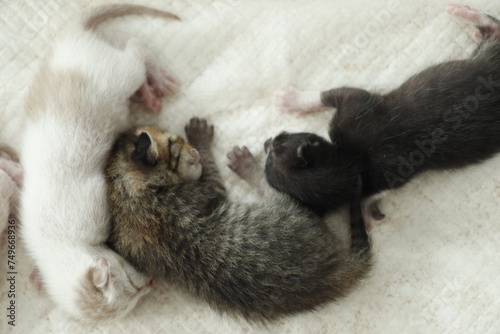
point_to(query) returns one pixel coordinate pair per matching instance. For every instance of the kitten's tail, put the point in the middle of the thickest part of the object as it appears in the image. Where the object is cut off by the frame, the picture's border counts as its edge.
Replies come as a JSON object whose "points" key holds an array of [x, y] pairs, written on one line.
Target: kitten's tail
{"points": [[96, 15]]}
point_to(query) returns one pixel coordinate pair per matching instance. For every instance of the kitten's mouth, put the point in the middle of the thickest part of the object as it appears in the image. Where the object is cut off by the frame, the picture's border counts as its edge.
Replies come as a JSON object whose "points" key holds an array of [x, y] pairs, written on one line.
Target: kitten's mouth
{"points": [[267, 145]]}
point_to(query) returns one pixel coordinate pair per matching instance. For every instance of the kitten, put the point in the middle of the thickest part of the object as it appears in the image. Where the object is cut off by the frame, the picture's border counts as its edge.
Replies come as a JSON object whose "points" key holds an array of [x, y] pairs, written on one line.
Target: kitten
{"points": [[445, 117], [260, 261], [77, 105]]}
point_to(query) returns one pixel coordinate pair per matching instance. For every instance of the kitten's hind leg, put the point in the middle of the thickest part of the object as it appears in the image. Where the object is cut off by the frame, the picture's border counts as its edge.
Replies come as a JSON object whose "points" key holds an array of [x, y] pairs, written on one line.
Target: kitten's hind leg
{"points": [[242, 162], [489, 27]]}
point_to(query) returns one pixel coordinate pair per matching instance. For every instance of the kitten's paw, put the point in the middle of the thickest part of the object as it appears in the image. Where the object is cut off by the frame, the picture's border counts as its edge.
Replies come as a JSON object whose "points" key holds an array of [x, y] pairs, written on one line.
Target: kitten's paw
{"points": [[199, 133], [158, 84], [489, 27], [292, 100], [242, 162]]}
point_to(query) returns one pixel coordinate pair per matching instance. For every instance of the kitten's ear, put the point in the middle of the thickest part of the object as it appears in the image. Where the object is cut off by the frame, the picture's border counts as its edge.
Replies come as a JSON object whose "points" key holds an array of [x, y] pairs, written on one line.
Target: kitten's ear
{"points": [[144, 150], [306, 153], [99, 273]]}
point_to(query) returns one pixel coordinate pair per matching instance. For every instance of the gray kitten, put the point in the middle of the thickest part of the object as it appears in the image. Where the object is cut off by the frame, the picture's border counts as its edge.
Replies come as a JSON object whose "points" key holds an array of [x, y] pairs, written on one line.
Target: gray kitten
{"points": [[261, 261]]}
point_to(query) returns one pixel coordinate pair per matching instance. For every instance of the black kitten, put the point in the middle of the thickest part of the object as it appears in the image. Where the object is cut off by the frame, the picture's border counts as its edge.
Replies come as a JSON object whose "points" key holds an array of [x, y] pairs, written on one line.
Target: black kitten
{"points": [[445, 117]]}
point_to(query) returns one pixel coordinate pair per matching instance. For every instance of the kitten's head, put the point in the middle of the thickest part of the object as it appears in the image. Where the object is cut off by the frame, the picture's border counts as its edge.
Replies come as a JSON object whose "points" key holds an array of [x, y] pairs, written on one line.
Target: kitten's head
{"points": [[310, 169], [109, 289], [149, 156]]}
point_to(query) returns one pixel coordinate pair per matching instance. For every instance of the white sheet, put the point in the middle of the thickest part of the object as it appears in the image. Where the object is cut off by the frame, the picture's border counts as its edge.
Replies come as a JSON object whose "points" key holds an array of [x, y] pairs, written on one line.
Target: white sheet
{"points": [[437, 252]]}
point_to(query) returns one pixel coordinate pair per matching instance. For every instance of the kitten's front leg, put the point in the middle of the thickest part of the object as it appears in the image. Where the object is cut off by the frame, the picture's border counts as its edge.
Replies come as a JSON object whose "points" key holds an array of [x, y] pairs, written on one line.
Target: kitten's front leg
{"points": [[200, 135], [242, 162]]}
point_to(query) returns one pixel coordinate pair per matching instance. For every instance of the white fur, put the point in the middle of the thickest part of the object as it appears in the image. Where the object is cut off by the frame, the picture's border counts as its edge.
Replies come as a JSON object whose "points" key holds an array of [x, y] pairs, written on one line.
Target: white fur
{"points": [[69, 132]]}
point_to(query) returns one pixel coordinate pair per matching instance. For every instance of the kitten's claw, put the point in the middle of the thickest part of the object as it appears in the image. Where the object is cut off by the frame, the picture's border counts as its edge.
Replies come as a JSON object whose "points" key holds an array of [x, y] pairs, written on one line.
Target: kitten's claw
{"points": [[292, 100], [199, 132]]}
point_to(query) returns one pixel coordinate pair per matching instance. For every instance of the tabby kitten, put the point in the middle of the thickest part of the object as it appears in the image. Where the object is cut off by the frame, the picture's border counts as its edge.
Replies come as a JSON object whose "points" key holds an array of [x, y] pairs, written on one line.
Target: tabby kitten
{"points": [[260, 261]]}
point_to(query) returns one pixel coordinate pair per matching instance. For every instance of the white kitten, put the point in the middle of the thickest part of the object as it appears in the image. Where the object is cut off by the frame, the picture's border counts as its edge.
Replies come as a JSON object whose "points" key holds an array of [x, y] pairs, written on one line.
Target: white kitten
{"points": [[77, 104]]}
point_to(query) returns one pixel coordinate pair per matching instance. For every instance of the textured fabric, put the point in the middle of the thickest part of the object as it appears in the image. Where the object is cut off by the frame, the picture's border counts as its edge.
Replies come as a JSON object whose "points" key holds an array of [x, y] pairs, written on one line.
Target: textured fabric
{"points": [[437, 252]]}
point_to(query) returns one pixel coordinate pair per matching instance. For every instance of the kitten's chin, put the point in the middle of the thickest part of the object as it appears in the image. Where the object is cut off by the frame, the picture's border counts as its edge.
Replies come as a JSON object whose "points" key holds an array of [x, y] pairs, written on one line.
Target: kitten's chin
{"points": [[193, 172]]}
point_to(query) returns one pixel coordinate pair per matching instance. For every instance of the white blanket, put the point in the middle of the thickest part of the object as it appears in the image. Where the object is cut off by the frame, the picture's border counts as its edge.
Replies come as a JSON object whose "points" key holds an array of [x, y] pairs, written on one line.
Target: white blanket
{"points": [[438, 251]]}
